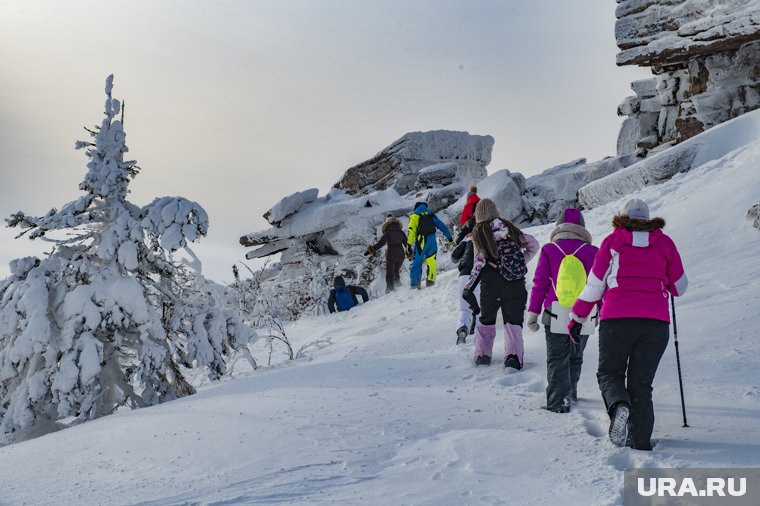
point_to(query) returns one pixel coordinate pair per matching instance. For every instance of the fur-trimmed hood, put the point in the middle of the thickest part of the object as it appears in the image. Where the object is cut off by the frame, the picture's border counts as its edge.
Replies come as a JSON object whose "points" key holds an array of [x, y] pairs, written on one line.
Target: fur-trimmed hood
{"points": [[638, 232], [391, 224], [637, 224]]}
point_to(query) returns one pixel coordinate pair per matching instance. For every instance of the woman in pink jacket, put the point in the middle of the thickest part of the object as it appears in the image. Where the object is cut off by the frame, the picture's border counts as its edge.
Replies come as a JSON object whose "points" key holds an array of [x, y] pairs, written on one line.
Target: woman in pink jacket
{"points": [[563, 357], [636, 270]]}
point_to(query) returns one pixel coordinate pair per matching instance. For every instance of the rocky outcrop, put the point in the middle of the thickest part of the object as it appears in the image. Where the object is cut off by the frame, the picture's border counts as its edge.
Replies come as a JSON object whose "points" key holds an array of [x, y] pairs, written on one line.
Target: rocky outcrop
{"points": [[321, 236], [665, 163], [658, 33], [290, 205], [706, 59], [398, 166], [753, 215]]}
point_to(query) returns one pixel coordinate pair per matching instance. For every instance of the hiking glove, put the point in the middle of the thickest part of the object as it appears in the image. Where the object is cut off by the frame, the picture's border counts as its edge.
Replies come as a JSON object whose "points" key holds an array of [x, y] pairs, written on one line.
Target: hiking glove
{"points": [[574, 331], [532, 321], [470, 298]]}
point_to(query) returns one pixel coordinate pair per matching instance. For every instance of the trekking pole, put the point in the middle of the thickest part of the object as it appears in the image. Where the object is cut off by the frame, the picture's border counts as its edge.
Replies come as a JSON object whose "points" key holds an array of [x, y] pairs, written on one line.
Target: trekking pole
{"points": [[678, 358]]}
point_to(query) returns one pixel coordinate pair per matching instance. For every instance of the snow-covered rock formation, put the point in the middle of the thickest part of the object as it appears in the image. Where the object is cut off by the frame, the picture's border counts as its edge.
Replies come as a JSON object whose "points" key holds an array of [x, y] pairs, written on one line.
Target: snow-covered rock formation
{"points": [[437, 167], [421, 160], [705, 56], [661, 166]]}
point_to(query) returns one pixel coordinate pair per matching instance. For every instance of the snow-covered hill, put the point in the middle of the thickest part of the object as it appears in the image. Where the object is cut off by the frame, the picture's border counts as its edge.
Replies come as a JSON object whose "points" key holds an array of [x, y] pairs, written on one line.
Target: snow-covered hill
{"points": [[385, 409]]}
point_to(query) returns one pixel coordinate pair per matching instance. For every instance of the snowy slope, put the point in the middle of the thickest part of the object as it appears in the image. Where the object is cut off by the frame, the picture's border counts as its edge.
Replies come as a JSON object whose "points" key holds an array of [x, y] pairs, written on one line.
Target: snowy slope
{"points": [[385, 409]]}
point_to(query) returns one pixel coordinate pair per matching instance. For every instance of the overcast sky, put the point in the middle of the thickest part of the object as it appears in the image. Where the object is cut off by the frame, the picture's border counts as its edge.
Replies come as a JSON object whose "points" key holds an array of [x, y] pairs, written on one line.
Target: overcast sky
{"points": [[235, 104]]}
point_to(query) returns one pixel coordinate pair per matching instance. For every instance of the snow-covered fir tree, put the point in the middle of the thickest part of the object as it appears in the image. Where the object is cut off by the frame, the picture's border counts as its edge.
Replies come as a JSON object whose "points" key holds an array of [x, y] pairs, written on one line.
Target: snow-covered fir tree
{"points": [[107, 319]]}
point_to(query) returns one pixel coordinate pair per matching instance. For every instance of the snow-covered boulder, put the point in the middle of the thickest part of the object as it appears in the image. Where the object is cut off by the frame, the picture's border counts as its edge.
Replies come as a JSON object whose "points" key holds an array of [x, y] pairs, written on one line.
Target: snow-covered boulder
{"points": [[435, 176], [290, 204], [710, 145], [546, 194], [399, 164]]}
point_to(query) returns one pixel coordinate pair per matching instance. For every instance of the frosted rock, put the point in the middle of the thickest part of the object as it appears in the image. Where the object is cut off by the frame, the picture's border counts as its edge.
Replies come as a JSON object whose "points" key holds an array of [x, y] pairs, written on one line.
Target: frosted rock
{"points": [[629, 106], [651, 105], [753, 215], [657, 33], [398, 165], [645, 88], [438, 175], [290, 205], [710, 145], [558, 187]]}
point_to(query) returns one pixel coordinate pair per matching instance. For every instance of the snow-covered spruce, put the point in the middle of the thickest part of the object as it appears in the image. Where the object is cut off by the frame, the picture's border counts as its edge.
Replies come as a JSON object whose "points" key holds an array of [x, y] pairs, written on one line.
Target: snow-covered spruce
{"points": [[107, 319]]}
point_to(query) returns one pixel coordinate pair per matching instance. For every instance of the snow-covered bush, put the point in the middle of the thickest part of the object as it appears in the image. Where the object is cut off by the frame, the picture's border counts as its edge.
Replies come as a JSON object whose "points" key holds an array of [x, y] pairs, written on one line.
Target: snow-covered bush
{"points": [[107, 319]]}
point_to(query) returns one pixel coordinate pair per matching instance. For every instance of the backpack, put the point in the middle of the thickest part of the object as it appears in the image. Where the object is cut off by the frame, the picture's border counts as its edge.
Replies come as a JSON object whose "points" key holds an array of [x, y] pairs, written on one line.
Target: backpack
{"points": [[343, 299], [571, 278], [426, 225], [511, 261]]}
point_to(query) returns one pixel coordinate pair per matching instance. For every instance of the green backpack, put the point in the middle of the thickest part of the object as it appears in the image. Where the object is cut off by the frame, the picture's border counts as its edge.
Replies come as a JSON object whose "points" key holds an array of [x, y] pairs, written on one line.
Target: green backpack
{"points": [[571, 278]]}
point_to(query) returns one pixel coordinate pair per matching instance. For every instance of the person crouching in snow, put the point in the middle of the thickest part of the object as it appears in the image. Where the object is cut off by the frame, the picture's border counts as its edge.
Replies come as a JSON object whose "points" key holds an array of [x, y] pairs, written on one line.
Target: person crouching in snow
{"points": [[395, 238], [421, 244], [501, 253], [464, 255], [344, 296], [636, 270], [563, 267]]}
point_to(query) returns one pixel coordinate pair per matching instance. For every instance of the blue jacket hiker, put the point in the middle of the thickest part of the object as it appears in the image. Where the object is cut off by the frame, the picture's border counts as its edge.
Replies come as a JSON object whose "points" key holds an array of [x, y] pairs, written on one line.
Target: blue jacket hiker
{"points": [[344, 296], [421, 244]]}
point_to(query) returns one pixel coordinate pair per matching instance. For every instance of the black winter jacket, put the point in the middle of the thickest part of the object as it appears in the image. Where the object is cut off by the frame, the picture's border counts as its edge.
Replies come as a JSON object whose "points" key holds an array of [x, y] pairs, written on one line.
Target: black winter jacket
{"points": [[395, 238], [464, 253]]}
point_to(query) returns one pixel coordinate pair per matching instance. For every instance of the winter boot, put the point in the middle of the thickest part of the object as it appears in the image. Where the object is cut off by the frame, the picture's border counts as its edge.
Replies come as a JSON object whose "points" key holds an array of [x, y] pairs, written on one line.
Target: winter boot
{"points": [[429, 282], [619, 423], [513, 343], [513, 362], [482, 360], [461, 334], [416, 285], [564, 408]]}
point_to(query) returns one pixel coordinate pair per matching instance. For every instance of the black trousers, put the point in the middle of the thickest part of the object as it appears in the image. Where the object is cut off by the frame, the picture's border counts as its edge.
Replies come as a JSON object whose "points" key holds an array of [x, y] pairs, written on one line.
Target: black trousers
{"points": [[498, 293], [632, 347], [393, 272], [564, 360]]}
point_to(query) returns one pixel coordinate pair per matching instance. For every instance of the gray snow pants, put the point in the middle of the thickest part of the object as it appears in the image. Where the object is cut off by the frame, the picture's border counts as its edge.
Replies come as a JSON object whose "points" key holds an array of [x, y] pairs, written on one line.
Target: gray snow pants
{"points": [[633, 346], [563, 368]]}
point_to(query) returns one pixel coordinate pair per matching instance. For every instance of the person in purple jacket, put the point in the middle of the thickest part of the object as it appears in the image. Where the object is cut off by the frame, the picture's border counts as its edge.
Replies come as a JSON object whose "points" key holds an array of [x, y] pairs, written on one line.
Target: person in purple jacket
{"points": [[636, 270], [564, 358]]}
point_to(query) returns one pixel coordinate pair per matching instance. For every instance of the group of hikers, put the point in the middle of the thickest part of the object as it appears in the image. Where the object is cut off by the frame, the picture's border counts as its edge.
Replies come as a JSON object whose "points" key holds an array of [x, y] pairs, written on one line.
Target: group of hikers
{"points": [[623, 287]]}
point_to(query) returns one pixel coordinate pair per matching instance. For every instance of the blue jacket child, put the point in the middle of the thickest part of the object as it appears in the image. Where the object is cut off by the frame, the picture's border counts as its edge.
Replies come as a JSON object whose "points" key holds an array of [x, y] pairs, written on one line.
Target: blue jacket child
{"points": [[344, 296]]}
